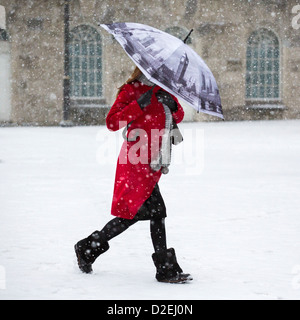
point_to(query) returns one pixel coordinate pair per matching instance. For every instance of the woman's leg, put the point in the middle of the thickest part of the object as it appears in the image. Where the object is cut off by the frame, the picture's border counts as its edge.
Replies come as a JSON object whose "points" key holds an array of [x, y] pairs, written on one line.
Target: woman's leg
{"points": [[158, 235], [167, 267], [115, 227]]}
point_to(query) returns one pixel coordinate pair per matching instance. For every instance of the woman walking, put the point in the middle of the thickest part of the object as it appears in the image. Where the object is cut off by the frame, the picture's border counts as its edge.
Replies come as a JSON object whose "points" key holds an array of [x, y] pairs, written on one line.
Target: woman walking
{"points": [[149, 113]]}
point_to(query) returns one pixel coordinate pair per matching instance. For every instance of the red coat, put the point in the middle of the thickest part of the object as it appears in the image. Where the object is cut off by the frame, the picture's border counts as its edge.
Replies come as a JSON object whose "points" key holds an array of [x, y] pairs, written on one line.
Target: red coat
{"points": [[135, 180]]}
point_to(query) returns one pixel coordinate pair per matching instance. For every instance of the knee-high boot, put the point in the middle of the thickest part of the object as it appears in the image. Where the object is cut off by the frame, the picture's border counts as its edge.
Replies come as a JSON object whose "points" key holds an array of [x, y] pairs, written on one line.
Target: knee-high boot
{"points": [[89, 249], [168, 269]]}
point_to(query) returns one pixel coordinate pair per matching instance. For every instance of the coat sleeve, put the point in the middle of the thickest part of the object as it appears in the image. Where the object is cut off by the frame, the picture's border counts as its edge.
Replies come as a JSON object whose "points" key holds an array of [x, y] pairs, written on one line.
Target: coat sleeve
{"points": [[124, 110], [179, 114]]}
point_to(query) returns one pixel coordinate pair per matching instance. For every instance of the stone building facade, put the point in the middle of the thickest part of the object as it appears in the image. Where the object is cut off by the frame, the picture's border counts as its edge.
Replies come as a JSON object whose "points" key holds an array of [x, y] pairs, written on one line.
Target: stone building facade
{"points": [[252, 47]]}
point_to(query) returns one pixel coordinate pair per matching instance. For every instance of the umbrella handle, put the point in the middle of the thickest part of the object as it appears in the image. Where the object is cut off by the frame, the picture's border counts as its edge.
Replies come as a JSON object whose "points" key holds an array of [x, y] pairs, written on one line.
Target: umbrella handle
{"points": [[125, 132], [129, 124]]}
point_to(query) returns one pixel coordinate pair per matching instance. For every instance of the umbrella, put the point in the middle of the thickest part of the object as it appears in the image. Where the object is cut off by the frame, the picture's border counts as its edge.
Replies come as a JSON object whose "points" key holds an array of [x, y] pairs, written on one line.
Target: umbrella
{"points": [[171, 64]]}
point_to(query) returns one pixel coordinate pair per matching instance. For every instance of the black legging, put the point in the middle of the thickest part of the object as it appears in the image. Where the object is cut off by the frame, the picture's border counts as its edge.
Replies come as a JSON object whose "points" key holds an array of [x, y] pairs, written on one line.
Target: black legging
{"points": [[119, 225]]}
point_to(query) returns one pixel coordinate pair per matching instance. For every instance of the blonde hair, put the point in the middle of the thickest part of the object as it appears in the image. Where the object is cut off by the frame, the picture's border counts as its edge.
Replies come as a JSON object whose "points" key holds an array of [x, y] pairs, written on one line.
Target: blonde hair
{"points": [[135, 75]]}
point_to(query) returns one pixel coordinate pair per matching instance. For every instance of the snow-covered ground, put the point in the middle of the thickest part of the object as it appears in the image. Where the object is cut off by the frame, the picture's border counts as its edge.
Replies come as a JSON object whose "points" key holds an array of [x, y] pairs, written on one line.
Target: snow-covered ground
{"points": [[234, 222]]}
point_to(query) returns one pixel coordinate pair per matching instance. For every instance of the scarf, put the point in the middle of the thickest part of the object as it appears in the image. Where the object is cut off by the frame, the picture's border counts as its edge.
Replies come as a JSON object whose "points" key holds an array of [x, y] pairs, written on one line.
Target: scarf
{"points": [[171, 136], [163, 160]]}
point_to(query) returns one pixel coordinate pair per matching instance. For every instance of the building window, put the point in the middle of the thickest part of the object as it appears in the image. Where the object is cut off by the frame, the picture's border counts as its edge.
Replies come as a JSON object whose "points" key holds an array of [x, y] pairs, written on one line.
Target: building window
{"points": [[263, 66], [86, 63]]}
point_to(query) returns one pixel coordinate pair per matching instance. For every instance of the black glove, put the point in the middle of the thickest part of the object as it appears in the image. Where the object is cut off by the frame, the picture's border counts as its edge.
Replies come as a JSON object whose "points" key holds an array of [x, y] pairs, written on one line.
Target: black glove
{"points": [[145, 99], [165, 98]]}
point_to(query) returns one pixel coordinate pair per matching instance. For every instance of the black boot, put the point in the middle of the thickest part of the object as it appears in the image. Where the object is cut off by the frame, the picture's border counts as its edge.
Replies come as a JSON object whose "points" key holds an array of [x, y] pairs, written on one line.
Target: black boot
{"points": [[168, 270], [88, 250]]}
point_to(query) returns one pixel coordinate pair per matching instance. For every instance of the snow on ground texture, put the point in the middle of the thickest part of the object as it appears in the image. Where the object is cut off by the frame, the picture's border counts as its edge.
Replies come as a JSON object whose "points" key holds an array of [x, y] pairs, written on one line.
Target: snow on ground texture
{"points": [[235, 225]]}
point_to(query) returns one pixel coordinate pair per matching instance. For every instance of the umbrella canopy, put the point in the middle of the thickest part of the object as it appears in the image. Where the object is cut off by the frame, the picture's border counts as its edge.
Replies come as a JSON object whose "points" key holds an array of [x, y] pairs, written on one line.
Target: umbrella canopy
{"points": [[171, 64]]}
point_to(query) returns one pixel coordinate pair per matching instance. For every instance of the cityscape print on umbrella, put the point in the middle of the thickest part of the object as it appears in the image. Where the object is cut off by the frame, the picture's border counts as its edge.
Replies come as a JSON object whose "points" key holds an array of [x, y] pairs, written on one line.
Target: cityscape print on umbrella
{"points": [[170, 64]]}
